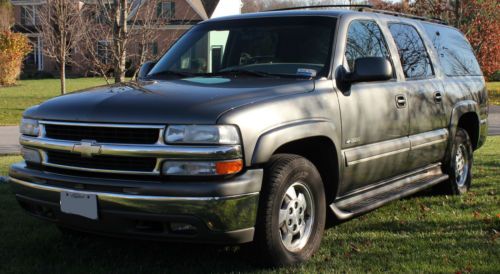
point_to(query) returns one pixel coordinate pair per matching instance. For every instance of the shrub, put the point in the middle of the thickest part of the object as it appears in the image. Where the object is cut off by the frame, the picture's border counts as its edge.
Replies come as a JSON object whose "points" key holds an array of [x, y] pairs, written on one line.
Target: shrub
{"points": [[13, 48]]}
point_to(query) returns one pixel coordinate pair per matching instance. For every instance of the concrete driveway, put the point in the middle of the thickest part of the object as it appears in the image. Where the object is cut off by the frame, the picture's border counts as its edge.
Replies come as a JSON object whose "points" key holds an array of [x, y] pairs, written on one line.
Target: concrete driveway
{"points": [[9, 140], [9, 136]]}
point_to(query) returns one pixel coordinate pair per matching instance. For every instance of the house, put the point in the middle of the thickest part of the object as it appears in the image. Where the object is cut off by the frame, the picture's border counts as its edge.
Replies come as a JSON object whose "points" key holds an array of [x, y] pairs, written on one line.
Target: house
{"points": [[180, 15]]}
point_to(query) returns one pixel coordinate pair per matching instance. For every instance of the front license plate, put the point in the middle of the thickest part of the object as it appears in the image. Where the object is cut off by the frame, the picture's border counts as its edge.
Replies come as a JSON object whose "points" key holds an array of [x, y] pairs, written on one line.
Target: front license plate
{"points": [[79, 203]]}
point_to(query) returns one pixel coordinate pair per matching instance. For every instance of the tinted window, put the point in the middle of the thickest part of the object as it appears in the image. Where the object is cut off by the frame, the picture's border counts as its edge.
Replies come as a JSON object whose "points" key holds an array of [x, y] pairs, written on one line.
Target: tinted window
{"points": [[454, 51], [412, 52], [364, 39]]}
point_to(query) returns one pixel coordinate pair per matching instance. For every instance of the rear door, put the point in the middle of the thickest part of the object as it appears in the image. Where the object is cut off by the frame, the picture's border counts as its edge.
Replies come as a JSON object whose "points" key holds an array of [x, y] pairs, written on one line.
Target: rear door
{"points": [[374, 115], [427, 133]]}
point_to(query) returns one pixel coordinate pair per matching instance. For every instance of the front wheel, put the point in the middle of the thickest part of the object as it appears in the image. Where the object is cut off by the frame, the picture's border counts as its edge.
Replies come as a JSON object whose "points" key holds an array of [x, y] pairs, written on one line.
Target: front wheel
{"points": [[291, 211]]}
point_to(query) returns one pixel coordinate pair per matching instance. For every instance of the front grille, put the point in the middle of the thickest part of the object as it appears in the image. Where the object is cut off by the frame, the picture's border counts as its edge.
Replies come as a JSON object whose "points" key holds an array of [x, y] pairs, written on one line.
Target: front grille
{"points": [[141, 164], [103, 134]]}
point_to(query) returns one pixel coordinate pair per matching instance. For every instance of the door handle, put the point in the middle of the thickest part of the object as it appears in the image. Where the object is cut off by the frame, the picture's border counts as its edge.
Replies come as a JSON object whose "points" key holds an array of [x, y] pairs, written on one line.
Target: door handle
{"points": [[438, 98], [400, 101]]}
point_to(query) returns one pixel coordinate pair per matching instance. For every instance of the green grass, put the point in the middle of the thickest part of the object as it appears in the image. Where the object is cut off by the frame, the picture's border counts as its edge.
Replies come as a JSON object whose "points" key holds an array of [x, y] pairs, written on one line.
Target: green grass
{"points": [[14, 100], [439, 234], [494, 92]]}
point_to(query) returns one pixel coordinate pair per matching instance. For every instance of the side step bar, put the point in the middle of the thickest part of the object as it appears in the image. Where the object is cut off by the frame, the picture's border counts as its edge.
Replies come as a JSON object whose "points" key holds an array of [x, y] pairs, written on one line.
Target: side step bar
{"points": [[367, 201]]}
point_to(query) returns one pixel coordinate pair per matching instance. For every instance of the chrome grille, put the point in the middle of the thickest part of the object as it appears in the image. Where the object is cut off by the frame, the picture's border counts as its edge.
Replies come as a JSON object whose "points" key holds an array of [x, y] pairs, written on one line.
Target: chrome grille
{"points": [[139, 164], [103, 134]]}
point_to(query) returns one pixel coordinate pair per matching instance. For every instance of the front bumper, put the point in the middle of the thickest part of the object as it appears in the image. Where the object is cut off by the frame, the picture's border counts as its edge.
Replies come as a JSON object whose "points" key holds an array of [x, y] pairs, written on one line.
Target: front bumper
{"points": [[222, 211]]}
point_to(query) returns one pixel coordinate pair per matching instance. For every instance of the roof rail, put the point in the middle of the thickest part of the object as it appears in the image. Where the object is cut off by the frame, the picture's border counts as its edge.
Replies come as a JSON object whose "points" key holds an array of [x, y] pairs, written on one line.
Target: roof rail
{"points": [[359, 7], [406, 15], [367, 8]]}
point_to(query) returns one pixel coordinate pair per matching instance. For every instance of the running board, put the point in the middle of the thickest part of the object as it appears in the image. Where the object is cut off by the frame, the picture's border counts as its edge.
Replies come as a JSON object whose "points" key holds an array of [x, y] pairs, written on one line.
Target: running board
{"points": [[367, 201]]}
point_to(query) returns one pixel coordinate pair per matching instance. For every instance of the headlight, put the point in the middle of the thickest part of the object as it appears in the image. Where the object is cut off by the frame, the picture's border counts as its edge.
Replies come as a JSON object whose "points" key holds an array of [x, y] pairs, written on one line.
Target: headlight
{"points": [[29, 127], [194, 134]]}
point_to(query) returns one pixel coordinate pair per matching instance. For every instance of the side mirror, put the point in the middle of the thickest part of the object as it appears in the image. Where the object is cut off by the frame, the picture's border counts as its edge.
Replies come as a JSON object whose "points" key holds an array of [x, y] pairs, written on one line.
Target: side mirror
{"points": [[368, 69], [144, 70]]}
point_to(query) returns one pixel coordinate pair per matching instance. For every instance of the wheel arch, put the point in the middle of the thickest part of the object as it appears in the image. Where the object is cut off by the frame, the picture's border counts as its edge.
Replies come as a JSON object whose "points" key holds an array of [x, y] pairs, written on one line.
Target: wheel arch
{"points": [[466, 115], [313, 140]]}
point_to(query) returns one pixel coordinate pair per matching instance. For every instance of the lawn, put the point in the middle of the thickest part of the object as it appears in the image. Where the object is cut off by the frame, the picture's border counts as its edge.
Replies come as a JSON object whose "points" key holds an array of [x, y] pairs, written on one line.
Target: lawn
{"points": [[420, 234], [14, 100]]}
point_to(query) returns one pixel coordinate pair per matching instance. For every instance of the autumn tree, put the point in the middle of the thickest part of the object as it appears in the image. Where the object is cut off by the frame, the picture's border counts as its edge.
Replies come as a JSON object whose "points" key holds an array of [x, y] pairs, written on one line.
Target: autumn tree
{"points": [[60, 26]]}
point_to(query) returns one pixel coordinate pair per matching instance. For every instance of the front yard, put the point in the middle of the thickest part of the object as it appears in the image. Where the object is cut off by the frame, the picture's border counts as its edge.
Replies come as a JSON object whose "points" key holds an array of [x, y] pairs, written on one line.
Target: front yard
{"points": [[423, 233], [14, 100]]}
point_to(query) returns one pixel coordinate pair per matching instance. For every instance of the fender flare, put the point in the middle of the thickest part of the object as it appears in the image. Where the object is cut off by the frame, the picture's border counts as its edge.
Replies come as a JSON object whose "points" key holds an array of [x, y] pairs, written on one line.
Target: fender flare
{"points": [[274, 138], [461, 108]]}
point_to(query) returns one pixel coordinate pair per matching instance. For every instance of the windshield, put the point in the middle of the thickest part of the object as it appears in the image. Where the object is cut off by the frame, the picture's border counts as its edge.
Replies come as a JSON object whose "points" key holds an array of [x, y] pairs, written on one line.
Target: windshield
{"points": [[264, 47]]}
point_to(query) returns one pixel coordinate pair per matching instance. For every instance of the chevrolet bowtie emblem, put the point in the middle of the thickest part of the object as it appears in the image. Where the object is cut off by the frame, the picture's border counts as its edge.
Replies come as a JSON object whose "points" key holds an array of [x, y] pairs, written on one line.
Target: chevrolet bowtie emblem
{"points": [[87, 148]]}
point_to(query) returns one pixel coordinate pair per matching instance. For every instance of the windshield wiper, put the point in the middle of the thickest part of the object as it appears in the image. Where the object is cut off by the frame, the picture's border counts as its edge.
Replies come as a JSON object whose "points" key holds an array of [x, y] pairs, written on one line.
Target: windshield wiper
{"points": [[237, 71], [171, 73]]}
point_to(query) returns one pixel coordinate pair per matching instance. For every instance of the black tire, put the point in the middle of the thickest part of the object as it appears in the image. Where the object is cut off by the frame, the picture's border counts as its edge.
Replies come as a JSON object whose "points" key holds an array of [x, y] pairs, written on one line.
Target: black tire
{"points": [[283, 172], [458, 184]]}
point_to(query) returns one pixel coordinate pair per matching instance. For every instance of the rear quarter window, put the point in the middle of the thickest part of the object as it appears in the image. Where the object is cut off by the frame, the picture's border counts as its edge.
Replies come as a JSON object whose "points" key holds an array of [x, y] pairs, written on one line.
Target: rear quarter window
{"points": [[455, 53]]}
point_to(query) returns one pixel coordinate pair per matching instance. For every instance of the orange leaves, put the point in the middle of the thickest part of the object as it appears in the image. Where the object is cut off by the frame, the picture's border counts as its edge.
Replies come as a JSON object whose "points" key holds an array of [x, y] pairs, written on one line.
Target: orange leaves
{"points": [[13, 48]]}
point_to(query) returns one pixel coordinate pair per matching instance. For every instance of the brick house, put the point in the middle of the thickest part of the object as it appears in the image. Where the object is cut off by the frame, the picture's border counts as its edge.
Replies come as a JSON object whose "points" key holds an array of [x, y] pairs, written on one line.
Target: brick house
{"points": [[182, 15]]}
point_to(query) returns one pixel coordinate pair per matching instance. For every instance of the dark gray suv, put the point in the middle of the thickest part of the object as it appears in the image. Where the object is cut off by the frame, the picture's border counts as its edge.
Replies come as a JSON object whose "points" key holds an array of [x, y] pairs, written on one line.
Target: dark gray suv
{"points": [[261, 128]]}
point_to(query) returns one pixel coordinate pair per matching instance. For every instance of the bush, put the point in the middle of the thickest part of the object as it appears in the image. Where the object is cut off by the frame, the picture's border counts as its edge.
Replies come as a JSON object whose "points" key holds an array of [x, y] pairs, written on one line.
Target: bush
{"points": [[13, 48]]}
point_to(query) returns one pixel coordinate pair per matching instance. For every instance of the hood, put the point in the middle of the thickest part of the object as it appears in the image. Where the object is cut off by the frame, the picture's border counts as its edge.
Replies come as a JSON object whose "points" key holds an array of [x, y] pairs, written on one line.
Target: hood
{"points": [[188, 101]]}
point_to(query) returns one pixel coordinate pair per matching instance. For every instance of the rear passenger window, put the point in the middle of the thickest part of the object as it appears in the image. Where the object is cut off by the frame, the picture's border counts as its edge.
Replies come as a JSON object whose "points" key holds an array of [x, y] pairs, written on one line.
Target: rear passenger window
{"points": [[412, 52], [455, 53], [364, 39]]}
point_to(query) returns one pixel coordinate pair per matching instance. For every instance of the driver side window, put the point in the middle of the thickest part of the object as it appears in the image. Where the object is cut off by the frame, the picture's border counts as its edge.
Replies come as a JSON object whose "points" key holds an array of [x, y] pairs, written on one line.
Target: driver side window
{"points": [[364, 39]]}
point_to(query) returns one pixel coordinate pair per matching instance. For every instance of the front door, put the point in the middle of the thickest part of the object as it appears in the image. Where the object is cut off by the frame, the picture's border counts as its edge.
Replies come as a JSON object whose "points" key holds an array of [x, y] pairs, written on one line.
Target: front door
{"points": [[375, 121]]}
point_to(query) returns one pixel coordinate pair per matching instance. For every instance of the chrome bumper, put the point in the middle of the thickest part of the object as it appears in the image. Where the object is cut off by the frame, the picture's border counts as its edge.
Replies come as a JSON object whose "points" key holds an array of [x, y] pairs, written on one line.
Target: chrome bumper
{"points": [[212, 214]]}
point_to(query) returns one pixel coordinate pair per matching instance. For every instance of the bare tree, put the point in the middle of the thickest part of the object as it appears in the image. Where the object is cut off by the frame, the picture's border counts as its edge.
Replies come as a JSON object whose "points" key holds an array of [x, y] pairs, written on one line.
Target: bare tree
{"points": [[59, 23], [116, 14], [6, 15], [150, 26]]}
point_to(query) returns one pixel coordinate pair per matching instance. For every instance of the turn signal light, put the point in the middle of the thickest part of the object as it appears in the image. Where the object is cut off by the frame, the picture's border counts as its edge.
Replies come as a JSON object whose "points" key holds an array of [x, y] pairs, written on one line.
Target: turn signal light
{"points": [[229, 167]]}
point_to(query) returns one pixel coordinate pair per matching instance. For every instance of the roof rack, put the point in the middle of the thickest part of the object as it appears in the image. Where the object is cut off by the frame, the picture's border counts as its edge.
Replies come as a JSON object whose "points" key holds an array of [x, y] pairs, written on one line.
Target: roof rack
{"points": [[359, 7], [367, 8], [405, 15]]}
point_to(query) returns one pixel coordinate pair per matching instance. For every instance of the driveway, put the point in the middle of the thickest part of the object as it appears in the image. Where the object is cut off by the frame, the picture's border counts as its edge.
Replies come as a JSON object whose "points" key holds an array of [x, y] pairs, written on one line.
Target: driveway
{"points": [[9, 140], [9, 136], [494, 121]]}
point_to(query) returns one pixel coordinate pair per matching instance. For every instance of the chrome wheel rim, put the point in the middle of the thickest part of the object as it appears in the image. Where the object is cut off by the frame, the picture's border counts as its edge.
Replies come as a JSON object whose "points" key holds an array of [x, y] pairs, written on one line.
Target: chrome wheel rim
{"points": [[296, 217], [461, 165]]}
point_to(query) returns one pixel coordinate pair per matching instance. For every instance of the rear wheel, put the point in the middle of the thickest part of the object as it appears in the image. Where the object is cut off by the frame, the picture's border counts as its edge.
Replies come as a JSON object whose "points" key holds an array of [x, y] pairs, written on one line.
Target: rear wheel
{"points": [[459, 167], [291, 211]]}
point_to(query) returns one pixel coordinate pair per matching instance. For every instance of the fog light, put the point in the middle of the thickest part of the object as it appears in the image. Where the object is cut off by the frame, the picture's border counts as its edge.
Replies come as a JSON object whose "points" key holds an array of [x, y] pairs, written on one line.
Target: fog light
{"points": [[31, 155], [183, 228], [187, 168]]}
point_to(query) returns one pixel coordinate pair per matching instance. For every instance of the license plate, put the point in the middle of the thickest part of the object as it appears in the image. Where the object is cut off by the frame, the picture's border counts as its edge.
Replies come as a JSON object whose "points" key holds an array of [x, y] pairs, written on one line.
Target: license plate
{"points": [[79, 203]]}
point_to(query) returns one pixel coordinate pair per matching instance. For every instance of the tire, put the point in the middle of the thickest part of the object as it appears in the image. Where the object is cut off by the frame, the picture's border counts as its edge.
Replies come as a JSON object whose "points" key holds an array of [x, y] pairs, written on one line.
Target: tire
{"points": [[299, 234], [459, 166]]}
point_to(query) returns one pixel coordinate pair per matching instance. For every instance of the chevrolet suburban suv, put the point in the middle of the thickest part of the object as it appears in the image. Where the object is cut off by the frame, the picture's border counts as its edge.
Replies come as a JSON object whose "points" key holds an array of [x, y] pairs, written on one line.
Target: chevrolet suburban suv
{"points": [[261, 128]]}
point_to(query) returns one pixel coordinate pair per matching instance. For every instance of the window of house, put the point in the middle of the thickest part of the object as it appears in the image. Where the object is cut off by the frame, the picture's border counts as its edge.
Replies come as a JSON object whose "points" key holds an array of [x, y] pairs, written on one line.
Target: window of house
{"points": [[28, 15], [104, 51], [166, 9], [412, 52], [153, 48], [364, 39], [454, 51]]}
